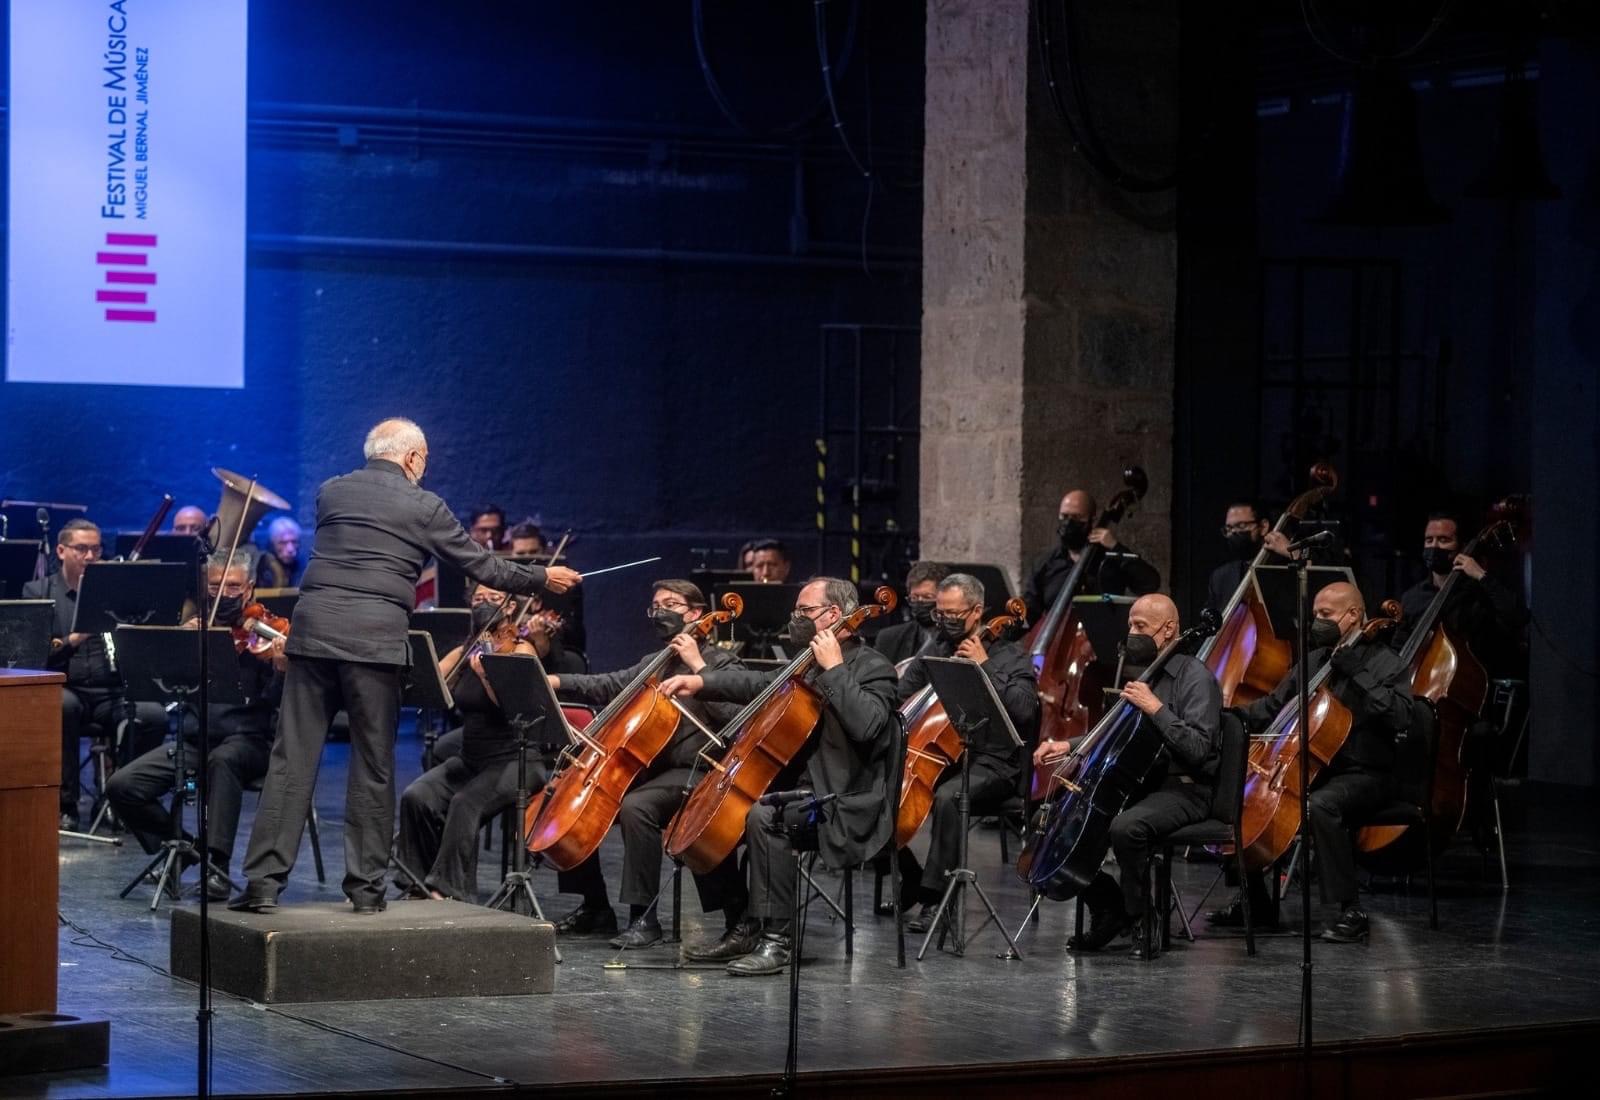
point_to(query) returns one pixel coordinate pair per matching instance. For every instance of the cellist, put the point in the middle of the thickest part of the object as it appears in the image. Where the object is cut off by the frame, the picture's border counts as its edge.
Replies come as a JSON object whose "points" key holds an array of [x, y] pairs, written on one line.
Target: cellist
{"points": [[1483, 611], [1371, 682], [847, 755], [659, 790], [996, 761], [1121, 571], [1184, 705]]}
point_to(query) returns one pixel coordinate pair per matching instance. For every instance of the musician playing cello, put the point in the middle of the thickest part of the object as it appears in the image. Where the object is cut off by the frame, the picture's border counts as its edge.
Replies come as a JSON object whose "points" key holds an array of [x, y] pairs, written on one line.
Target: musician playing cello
{"points": [[1120, 572], [1482, 611], [1184, 705], [659, 790], [996, 760], [846, 755], [1370, 681]]}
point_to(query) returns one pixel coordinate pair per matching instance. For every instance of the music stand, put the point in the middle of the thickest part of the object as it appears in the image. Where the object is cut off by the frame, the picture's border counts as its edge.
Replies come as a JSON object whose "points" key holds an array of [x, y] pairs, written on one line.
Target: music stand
{"points": [[767, 608], [971, 703], [162, 664], [182, 549], [25, 632], [19, 561], [425, 688], [522, 686], [129, 593], [1105, 621], [1278, 588]]}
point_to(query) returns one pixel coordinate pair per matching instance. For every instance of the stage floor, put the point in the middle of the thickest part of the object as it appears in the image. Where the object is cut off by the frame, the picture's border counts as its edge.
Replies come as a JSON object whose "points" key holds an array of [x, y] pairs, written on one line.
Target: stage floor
{"points": [[1523, 957]]}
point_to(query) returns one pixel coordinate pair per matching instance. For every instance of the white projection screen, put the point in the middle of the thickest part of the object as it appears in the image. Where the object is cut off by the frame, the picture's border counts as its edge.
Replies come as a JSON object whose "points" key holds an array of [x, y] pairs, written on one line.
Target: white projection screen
{"points": [[126, 230]]}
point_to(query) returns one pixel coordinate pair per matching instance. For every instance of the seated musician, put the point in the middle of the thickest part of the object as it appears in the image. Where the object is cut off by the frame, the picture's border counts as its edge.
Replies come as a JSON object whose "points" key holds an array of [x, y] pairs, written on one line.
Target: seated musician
{"points": [[1184, 705], [996, 761], [239, 740], [1118, 574], [1370, 681], [189, 520], [1245, 529], [281, 566], [846, 755], [769, 561], [527, 540], [486, 524], [904, 640], [659, 790], [92, 699], [1482, 610], [443, 808]]}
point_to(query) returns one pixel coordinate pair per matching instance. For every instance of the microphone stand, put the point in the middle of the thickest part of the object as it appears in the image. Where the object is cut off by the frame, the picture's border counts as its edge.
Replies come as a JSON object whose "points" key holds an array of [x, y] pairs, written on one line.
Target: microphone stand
{"points": [[1303, 706], [203, 1016]]}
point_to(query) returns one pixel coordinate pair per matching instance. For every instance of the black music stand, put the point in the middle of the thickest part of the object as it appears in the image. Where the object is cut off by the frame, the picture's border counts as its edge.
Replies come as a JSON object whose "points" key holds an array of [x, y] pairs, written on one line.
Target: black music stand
{"points": [[1278, 587], [426, 690], [182, 549], [162, 664], [765, 618], [798, 820], [1105, 621], [523, 688], [129, 593], [25, 632], [970, 702], [19, 561]]}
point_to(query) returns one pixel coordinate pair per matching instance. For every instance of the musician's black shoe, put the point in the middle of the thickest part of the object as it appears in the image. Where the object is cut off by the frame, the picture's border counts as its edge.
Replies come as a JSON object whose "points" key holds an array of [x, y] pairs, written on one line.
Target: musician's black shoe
{"points": [[588, 921], [771, 956], [366, 907], [643, 932], [1139, 951], [253, 903], [739, 940], [1351, 927], [922, 919], [217, 886], [1263, 916], [71, 822]]}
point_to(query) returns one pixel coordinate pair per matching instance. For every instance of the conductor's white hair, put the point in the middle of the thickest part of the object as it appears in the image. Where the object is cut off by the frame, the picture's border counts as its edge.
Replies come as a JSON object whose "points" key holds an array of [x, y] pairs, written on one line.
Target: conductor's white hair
{"points": [[395, 436]]}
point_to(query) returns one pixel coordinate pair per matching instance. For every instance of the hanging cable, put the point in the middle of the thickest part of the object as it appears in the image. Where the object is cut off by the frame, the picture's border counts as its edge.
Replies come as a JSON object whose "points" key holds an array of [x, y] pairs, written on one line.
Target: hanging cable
{"points": [[725, 106], [1322, 36]]}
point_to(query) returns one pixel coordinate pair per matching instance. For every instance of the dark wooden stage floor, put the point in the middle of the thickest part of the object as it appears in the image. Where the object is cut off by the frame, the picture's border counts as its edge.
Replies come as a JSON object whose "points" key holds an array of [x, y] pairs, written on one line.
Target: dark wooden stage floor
{"points": [[1523, 958]]}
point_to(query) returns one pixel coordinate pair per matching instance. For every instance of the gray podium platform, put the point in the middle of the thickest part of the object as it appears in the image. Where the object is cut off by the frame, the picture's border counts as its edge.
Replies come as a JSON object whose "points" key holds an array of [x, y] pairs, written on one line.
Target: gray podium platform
{"points": [[325, 952]]}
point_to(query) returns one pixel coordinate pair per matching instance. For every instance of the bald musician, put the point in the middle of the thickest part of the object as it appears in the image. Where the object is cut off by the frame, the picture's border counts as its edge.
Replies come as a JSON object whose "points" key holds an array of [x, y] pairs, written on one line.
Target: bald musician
{"points": [[376, 529], [1368, 678], [1184, 706], [189, 520], [1121, 572]]}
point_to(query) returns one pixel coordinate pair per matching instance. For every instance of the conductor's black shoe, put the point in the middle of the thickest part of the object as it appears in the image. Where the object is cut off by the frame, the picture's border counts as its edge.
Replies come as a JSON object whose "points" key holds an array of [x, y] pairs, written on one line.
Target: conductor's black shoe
{"points": [[366, 907], [739, 940], [1139, 951], [586, 921], [922, 919], [641, 933], [771, 956], [1351, 927], [217, 886], [1105, 925], [253, 903], [1263, 916]]}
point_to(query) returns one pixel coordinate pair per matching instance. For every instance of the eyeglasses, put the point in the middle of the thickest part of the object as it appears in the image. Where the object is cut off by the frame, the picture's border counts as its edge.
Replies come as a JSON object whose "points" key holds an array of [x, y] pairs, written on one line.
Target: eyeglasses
{"points": [[1239, 528], [85, 549], [953, 616], [680, 608], [802, 609]]}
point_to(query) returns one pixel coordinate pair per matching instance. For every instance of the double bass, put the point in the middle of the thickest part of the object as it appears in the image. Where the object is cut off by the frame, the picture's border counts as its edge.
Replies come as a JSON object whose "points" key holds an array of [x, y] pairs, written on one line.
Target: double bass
{"points": [[1246, 657], [1445, 671], [584, 796], [1071, 681], [765, 736], [932, 742], [1091, 785], [1270, 819]]}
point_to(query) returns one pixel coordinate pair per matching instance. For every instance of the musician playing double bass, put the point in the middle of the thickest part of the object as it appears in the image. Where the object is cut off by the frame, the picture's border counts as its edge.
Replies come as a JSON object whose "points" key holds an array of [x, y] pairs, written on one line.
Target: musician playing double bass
{"points": [[659, 790], [996, 760], [1483, 611], [1245, 530], [1121, 572], [1184, 705], [1368, 678], [847, 755]]}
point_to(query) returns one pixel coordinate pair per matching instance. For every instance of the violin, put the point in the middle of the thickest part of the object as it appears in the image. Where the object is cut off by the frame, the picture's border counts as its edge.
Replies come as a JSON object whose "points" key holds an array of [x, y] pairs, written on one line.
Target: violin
{"points": [[1270, 819], [258, 628], [1072, 681], [764, 737], [584, 797], [933, 742]]}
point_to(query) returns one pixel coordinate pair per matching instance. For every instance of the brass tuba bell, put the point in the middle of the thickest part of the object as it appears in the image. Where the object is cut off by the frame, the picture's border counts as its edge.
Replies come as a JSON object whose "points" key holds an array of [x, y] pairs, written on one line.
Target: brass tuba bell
{"points": [[243, 503]]}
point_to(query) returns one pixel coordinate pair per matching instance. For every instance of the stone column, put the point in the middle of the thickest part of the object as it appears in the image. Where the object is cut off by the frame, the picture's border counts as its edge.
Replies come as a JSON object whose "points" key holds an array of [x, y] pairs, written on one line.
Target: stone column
{"points": [[1047, 327]]}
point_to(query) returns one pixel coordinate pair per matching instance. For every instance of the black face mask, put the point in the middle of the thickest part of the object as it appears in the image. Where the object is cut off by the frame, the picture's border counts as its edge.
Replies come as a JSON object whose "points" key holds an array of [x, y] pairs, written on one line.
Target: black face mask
{"points": [[665, 623], [954, 629], [230, 609], [1325, 634], [801, 630], [921, 611], [1242, 545], [1139, 649], [482, 615], [1073, 533], [1439, 560]]}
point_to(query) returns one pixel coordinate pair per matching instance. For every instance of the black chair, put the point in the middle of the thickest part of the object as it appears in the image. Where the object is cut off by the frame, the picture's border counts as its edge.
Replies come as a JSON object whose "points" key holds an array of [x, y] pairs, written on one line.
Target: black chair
{"points": [[1414, 768], [1219, 830], [313, 826]]}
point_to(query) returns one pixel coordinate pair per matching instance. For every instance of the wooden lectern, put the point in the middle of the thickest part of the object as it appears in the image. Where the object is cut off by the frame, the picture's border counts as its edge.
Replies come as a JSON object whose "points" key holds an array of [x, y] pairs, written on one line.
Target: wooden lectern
{"points": [[30, 779]]}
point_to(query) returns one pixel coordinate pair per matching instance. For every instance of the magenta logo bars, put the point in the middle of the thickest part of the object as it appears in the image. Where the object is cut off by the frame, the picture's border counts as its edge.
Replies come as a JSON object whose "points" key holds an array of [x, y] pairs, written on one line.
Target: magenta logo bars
{"points": [[128, 276]]}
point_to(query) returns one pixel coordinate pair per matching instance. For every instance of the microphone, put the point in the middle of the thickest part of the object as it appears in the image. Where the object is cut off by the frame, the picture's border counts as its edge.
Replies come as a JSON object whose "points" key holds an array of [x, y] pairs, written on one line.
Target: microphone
{"points": [[43, 516], [1321, 538], [786, 798]]}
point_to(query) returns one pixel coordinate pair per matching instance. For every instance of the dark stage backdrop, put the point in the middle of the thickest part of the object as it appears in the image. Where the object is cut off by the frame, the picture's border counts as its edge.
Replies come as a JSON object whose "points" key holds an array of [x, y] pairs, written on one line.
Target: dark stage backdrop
{"points": [[530, 228]]}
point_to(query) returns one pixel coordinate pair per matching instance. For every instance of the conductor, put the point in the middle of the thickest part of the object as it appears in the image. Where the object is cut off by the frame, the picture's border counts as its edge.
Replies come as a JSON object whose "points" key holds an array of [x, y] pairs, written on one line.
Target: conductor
{"points": [[376, 529]]}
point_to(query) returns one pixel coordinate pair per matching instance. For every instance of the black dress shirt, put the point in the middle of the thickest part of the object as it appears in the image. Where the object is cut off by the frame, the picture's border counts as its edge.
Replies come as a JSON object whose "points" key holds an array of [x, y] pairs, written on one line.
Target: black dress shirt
{"points": [[1116, 576], [1015, 682], [375, 532], [1376, 694], [86, 664], [1190, 718], [903, 640], [1485, 614]]}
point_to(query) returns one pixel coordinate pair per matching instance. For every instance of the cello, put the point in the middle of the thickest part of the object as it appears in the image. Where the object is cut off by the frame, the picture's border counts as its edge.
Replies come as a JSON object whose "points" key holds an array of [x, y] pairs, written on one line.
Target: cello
{"points": [[765, 736], [1445, 671], [932, 742], [1071, 681], [1090, 785], [584, 796], [1270, 818], [1245, 656]]}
